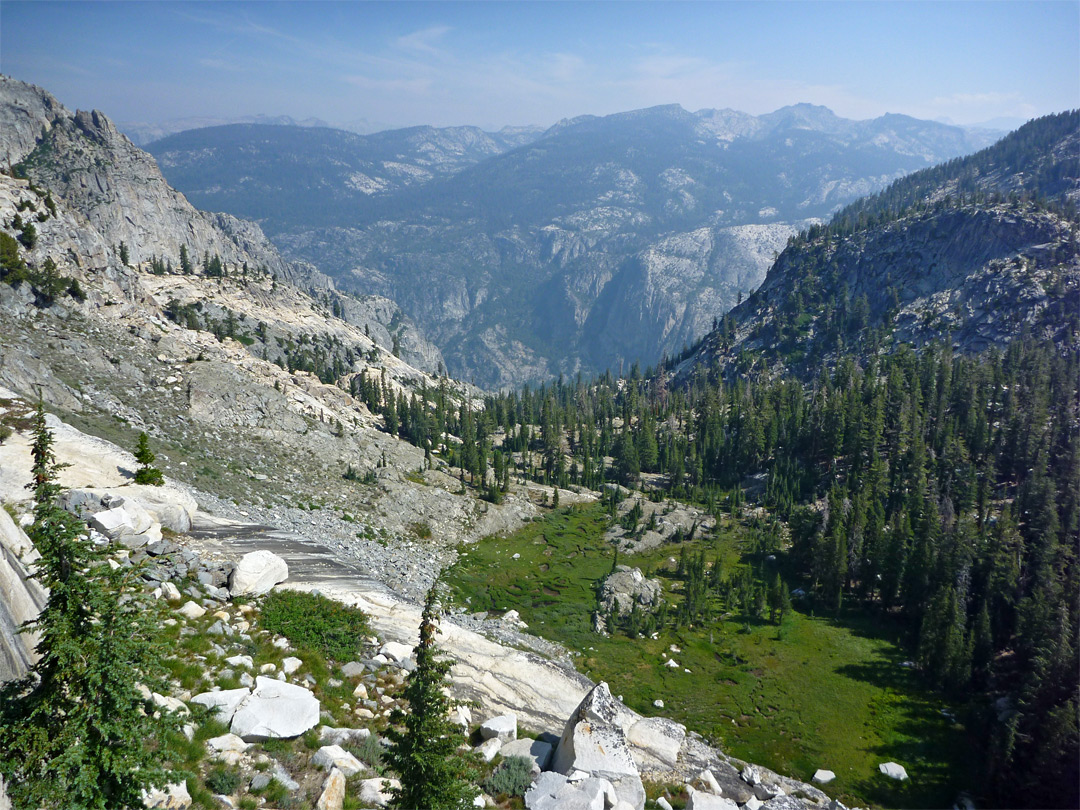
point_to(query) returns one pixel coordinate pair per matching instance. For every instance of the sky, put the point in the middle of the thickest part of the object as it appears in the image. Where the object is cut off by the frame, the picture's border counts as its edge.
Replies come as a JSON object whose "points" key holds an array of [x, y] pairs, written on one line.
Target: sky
{"points": [[514, 63]]}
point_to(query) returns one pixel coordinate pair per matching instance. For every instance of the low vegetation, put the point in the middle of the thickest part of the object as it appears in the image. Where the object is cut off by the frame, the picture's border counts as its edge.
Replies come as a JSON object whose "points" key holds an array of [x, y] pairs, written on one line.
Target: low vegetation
{"points": [[811, 692]]}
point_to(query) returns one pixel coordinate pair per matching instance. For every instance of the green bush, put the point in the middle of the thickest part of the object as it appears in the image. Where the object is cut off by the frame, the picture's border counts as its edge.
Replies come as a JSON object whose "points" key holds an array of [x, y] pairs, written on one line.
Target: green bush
{"points": [[310, 620], [222, 780], [511, 778]]}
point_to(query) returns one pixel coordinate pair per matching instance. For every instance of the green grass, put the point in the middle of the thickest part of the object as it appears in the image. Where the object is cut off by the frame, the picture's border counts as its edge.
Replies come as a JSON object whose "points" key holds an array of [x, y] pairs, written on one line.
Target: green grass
{"points": [[821, 692]]}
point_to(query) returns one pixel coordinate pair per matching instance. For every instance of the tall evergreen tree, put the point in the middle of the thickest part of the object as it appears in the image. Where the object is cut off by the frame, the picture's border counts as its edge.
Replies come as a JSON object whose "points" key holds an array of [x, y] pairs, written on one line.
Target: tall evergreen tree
{"points": [[423, 741], [76, 732]]}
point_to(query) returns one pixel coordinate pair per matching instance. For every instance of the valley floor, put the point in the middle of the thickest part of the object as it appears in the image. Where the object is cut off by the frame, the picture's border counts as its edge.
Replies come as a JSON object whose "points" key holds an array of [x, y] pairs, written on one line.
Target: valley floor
{"points": [[815, 692]]}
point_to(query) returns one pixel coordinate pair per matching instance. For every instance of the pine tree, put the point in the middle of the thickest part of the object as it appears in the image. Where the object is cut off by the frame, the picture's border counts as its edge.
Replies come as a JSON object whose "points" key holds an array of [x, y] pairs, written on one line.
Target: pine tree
{"points": [[424, 742], [145, 456], [76, 732]]}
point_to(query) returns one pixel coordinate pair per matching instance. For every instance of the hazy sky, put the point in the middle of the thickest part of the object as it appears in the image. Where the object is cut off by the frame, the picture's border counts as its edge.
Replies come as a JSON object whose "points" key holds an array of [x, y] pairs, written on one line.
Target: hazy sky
{"points": [[496, 63]]}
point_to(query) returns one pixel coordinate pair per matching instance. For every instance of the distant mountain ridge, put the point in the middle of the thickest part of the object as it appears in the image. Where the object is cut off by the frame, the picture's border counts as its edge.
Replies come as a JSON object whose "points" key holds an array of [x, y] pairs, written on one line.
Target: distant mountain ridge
{"points": [[976, 250], [600, 242]]}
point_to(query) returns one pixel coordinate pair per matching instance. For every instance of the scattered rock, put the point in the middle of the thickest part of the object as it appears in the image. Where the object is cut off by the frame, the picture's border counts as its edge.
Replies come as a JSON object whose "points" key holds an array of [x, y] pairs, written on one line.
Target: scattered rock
{"points": [[823, 777], [334, 756], [172, 797], [489, 748], [502, 727], [333, 793]]}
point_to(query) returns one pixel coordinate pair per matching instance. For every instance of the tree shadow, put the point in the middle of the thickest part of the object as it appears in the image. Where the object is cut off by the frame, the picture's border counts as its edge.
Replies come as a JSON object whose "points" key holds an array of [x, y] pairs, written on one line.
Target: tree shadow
{"points": [[936, 750]]}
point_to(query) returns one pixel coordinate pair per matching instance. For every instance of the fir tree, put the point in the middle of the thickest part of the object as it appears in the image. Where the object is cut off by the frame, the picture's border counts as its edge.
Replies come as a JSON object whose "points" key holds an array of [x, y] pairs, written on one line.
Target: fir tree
{"points": [[145, 456], [76, 732], [424, 742]]}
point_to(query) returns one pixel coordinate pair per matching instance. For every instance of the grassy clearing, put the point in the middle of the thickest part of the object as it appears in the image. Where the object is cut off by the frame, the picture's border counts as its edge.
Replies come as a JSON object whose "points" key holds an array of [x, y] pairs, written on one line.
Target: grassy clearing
{"points": [[819, 692]]}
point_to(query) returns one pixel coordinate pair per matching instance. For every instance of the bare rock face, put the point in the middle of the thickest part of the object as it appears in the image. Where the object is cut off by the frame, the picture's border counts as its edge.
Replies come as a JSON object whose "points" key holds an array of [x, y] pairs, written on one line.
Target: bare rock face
{"points": [[594, 743], [21, 599]]}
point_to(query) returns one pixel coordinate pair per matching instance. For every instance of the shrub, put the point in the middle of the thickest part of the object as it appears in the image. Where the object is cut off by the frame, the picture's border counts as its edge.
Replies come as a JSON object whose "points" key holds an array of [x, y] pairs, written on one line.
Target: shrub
{"points": [[512, 778], [222, 780], [368, 750], [310, 620]]}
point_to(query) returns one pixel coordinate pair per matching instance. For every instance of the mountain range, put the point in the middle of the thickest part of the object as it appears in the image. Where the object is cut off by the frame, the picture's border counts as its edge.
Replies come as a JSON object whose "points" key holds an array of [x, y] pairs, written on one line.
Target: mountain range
{"points": [[600, 242]]}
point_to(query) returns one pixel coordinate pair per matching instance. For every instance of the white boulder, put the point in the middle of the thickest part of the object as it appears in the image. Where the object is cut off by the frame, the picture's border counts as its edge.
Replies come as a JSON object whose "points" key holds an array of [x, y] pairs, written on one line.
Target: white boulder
{"points": [[257, 572], [592, 742], [893, 770], [503, 727], [823, 777], [275, 709], [225, 701], [371, 791], [192, 610], [396, 651], [172, 797], [700, 800], [334, 756], [553, 791], [489, 749]]}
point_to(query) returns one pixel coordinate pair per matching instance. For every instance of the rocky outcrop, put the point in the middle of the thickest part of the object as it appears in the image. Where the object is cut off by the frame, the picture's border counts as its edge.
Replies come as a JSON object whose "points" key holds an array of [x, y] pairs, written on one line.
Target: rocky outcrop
{"points": [[626, 587], [594, 743], [21, 600]]}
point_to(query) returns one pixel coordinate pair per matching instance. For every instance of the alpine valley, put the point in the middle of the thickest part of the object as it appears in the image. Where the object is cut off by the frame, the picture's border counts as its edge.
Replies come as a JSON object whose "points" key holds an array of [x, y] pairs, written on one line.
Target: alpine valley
{"points": [[822, 553]]}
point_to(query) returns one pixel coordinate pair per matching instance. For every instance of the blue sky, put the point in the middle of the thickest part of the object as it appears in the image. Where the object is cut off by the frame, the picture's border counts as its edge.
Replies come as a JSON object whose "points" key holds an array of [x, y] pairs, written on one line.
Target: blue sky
{"points": [[496, 63]]}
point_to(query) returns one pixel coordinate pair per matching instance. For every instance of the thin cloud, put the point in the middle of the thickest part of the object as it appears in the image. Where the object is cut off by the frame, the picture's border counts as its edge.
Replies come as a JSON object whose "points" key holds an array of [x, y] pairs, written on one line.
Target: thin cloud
{"points": [[423, 40], [420, 86]]}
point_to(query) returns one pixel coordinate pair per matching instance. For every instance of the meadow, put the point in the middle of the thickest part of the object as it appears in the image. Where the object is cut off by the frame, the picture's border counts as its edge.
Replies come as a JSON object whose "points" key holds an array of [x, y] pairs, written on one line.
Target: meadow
{"points": [[811, 692]]}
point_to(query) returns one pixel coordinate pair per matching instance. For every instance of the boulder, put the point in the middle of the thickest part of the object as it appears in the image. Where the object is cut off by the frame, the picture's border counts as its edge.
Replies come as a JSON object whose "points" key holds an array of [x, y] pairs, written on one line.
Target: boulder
{"points": [[593, 743], [396, 651], [784, 803], [291, 664], [227, 742], [192, 610], [553, 791], [334, 756], [226, 701], [489, 749], [700, 800], [823, 777], [656, 742], [116, 523], [371, 791], [537, 751], [172, 797], [502, 727], [893, 770], [275, 709], [333, 793], [256, 573]]}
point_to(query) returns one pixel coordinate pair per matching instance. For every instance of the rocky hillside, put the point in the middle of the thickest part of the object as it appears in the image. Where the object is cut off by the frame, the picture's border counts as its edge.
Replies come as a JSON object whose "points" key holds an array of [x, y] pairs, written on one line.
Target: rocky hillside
{"points": [[977, 251], [85, 190], [602, 242]]}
